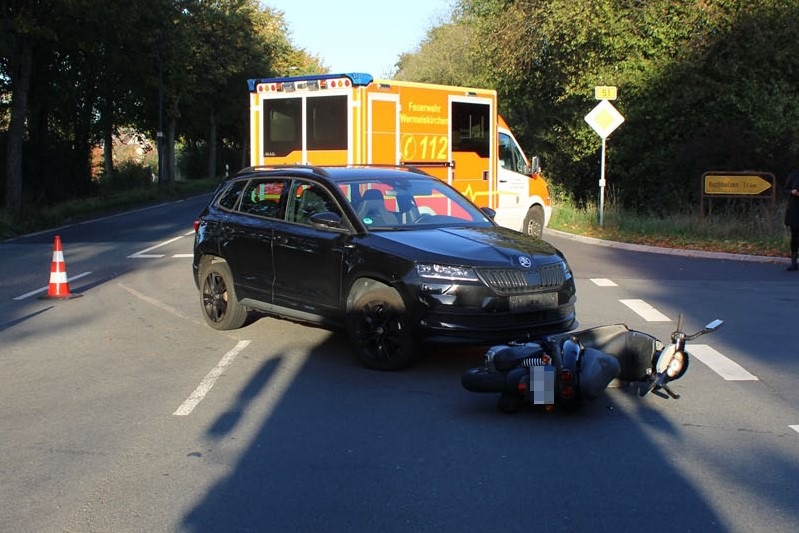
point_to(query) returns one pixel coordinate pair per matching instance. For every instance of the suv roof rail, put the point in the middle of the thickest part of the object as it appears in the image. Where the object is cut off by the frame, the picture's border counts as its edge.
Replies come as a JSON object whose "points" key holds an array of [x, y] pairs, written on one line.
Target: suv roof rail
{"points": [[400, 166], [322, 169], [314, 168]]}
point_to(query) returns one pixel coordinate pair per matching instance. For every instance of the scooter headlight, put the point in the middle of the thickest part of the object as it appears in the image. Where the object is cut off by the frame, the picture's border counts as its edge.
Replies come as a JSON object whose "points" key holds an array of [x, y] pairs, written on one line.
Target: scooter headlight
{"points": [[672, 363]]}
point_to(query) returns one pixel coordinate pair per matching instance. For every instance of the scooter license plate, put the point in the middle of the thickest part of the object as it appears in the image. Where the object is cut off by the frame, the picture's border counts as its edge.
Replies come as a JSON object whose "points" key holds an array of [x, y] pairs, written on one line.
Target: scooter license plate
{"points": [[542, 385]]}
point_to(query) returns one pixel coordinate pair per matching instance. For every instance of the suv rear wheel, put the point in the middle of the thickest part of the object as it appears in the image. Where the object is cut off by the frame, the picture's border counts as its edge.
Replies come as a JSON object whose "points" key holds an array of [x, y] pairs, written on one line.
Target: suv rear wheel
{"points": [[221, 307], [379, 331]]}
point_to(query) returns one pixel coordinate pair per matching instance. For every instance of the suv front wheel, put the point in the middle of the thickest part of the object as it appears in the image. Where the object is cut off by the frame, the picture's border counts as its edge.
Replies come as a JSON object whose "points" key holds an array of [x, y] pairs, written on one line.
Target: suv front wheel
{"points": [[221, 307], [379, 330]]}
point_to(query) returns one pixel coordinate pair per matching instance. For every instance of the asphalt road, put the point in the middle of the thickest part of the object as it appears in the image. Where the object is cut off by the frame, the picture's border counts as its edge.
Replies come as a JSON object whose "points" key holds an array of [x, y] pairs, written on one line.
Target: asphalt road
{"points": [[121, 411]]}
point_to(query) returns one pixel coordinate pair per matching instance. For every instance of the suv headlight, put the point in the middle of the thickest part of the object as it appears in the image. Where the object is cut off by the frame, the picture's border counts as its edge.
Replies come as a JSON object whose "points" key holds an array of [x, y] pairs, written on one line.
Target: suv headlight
{"points": [[448, 272]]}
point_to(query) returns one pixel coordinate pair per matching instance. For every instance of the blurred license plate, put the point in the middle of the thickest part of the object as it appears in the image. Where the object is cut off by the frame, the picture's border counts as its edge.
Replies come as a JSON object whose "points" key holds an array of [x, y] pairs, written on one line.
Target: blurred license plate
{"points": [[527, 302], [542, 385]]}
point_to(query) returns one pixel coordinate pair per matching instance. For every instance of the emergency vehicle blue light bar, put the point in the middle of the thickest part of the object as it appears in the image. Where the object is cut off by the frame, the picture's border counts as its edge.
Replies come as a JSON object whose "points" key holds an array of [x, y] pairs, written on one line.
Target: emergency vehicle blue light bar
{"points": [[357, 78]]}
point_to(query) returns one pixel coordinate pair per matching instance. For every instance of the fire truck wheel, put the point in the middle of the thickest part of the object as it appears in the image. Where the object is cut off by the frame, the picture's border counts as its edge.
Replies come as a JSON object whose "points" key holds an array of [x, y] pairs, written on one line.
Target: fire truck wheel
{"points": [[379, 331], [534, 222], [221, 307]]}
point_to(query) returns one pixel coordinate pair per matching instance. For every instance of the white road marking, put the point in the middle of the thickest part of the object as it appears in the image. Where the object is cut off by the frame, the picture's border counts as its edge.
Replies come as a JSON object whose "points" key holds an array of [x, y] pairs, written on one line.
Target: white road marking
{"points": [[603, 282], [159, 304], [646, 311], [144, 255], [205, 385], [37, 291], [795, 427], [720, 364], [182, 255]]}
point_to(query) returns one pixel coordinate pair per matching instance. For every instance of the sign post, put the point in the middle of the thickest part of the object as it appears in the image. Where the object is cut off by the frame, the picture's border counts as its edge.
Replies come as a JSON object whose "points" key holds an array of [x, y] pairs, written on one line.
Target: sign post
{"points": [[604, 118]]}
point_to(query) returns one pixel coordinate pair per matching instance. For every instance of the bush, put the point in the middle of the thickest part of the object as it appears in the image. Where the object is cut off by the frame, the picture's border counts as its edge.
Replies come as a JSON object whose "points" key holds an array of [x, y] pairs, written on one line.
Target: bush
{"points": [[127, 177]]}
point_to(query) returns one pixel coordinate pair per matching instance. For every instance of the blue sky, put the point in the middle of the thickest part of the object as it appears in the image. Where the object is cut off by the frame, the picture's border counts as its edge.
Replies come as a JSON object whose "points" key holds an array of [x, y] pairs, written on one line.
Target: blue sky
{"points": [[360, 35]]}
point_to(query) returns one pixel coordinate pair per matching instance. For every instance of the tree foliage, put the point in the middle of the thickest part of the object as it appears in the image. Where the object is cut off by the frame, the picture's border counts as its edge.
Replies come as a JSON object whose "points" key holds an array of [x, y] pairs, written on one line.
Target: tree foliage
{"points": [[74, 72], [703, 85]]}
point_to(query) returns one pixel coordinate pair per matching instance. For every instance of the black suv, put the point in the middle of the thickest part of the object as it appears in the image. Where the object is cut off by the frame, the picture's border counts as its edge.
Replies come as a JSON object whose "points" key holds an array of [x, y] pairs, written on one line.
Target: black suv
{"points": [[393, 255]]}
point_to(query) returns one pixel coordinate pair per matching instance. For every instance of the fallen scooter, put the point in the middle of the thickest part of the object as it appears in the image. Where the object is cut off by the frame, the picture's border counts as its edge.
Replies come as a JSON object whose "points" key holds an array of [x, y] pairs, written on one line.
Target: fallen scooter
{"points": [[573, 367]]}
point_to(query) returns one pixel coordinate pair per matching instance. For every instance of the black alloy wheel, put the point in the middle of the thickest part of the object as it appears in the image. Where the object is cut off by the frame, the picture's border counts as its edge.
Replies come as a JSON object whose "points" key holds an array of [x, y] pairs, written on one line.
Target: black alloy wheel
{"points": [[221, 308], [379, 330]]}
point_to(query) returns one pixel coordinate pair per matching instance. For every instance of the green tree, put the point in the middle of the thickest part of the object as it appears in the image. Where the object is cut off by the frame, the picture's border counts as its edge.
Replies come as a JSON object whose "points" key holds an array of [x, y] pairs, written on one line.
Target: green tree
{"points": [[73, 72], [446, 56], [20, 30], [703, 86]]}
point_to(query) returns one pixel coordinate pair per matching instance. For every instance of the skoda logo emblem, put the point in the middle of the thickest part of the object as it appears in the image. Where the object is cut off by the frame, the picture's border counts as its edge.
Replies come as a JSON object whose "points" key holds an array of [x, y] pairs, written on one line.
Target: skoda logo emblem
{"points": [[525, 261]]}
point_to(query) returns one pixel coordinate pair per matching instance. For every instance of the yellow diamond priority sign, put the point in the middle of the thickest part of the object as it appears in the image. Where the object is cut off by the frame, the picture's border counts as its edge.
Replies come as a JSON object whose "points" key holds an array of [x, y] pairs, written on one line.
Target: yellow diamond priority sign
{"points": [[604, 118]]}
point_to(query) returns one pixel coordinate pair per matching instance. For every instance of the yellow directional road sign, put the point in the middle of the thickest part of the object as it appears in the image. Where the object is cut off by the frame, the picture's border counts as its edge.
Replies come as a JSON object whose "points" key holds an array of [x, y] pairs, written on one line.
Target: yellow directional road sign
{"points": [[731, 184]]}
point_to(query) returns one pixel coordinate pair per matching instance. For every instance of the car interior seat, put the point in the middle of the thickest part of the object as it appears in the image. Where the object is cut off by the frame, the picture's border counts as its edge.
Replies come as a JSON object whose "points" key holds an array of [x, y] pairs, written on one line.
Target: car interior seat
{"points": [[408, 212], [372, 209]]}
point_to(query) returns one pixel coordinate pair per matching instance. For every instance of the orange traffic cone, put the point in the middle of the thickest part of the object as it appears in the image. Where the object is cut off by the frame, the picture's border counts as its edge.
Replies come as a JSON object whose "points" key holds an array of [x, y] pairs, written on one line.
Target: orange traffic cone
{"points": [[59, 287]]}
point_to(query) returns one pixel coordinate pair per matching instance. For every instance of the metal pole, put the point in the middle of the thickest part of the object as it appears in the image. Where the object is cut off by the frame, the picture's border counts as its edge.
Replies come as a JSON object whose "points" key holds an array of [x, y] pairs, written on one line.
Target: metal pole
{"points": [[160, 134], [602, 185]]}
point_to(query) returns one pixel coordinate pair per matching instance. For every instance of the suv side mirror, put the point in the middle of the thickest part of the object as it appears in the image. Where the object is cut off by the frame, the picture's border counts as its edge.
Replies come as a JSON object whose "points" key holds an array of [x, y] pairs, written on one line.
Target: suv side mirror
{"points": [[490, 213], [326, 220]]}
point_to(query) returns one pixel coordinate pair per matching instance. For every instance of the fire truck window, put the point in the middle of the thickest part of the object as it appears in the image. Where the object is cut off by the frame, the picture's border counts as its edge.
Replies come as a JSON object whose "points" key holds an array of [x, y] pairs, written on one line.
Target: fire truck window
{"points": [[327, 123], [471, 128], [282, 120], [509, 154]]}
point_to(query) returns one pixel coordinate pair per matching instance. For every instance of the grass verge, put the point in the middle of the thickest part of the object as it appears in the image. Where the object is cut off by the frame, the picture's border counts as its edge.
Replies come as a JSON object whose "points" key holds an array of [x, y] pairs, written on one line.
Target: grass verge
{"points": [[754, 230]]}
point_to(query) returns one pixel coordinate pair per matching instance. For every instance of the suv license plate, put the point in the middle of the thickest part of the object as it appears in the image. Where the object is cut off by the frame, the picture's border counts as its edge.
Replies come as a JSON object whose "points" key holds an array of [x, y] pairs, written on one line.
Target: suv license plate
{"points": [[528, 302]]}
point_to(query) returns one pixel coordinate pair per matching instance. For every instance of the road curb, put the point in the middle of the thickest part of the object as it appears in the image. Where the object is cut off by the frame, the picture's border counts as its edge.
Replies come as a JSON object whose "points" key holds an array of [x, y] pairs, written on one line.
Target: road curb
{"points": [[668, 251]]}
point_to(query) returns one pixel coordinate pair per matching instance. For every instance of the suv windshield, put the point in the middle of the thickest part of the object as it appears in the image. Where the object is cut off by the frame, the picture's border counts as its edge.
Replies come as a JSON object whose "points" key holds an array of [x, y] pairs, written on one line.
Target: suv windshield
{"points": [[398, 203]]}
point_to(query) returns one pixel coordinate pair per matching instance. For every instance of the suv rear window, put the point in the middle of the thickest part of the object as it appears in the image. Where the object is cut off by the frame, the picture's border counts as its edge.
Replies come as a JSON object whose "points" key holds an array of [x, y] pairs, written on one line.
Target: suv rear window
{"points": [[264, 197], [231, 196]]}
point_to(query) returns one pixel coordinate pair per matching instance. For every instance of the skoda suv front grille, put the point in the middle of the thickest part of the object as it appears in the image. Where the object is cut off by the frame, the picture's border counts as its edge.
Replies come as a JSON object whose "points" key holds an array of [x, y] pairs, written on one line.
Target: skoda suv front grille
{"points": [[516, 281]]}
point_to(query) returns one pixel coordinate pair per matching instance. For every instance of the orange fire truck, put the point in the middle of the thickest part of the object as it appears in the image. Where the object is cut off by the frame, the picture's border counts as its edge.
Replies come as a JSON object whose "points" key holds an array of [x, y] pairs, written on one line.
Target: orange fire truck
{"points": [[453, 133]]}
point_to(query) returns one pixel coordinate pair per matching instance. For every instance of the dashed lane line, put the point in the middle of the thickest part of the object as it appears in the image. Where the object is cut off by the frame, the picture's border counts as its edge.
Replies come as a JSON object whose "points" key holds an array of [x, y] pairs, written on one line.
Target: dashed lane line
{"points": [[646, 311], [720, 364], [603, 282], [142, 254], [210, 379], [42, 289]]}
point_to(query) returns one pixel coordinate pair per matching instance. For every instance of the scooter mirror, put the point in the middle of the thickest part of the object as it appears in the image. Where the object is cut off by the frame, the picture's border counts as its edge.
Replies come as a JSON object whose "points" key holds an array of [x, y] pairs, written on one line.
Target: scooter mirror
{"points": [[714, 325]]}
